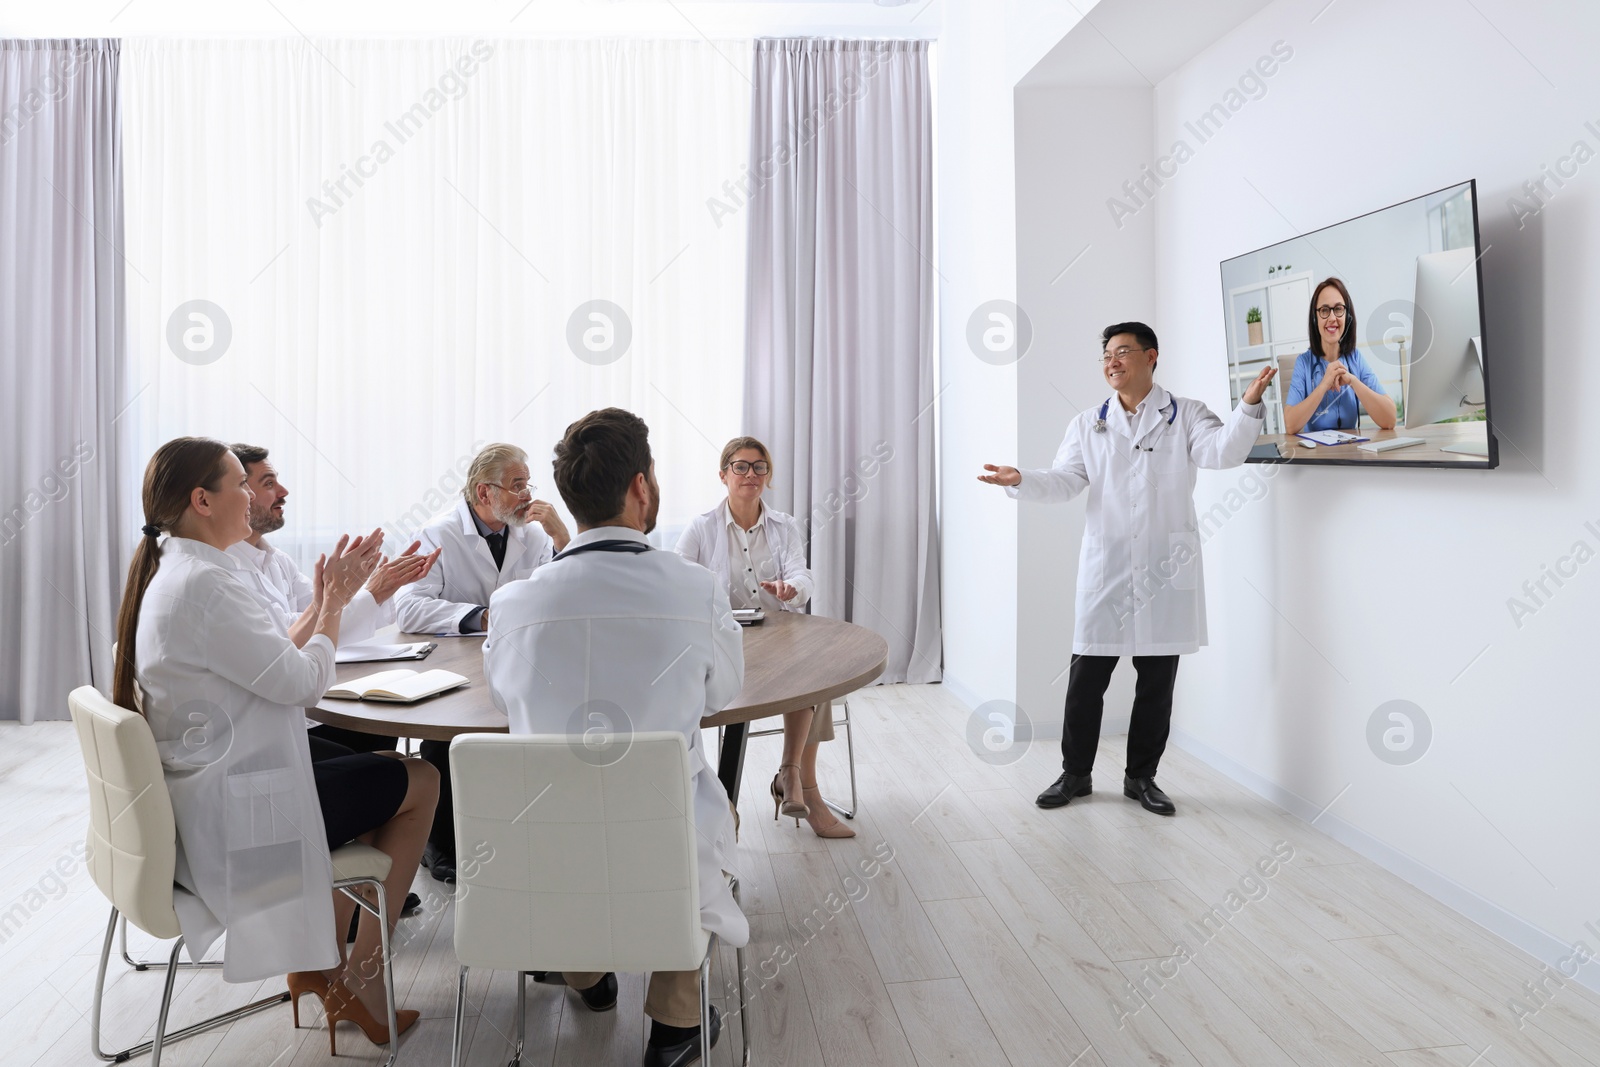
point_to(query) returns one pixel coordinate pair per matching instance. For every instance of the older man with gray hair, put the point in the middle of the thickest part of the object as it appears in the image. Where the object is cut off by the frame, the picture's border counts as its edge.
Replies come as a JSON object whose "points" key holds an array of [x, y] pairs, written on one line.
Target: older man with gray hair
{"points": [[496, 534]]}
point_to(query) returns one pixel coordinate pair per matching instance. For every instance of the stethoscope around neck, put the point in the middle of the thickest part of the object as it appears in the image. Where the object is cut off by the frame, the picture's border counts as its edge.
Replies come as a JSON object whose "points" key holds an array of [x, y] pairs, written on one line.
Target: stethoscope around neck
{"points": [[1105, 407]]}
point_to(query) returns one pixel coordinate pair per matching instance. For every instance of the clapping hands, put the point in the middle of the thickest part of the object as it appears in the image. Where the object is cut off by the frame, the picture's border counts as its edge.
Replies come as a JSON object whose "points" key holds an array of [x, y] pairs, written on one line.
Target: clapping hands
{"points": [[340, 574]]}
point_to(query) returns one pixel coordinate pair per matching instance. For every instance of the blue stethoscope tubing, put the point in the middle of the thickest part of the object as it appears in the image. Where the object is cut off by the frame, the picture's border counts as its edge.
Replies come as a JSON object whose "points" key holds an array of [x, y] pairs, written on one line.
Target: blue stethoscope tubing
{"points": [[1105, 406]]}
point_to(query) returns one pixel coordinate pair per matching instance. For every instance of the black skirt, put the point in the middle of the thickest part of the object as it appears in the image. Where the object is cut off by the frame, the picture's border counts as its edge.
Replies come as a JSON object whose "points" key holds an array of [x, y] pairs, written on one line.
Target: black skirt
{"points": [[358, 793]]}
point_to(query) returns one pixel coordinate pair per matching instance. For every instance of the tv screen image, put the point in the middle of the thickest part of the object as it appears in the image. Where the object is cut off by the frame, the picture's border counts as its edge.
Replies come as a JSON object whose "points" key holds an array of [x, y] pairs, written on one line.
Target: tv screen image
{"points": [[1376, 327]]}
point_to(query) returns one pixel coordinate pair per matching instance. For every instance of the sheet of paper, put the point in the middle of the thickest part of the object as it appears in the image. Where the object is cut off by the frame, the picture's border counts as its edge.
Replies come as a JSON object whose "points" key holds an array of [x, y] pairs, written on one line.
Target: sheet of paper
{"points": [[370, 652]]}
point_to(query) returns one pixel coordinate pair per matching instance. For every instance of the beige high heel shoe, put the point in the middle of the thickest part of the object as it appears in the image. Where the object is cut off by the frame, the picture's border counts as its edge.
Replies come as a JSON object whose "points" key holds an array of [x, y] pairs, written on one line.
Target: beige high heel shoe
{"points": [[818, 806], [781, 803], [340, 1004]]}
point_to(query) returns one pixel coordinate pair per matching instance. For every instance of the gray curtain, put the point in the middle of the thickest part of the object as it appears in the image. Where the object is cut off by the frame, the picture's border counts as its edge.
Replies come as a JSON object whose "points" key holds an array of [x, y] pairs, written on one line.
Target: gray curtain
{"points": [[61, 358], [839, 351]]}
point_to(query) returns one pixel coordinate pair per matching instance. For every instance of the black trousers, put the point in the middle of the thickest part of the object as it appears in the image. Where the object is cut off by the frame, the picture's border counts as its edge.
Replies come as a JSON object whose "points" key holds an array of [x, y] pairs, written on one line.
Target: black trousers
{"points": [[1152, 712], [443, 835]]}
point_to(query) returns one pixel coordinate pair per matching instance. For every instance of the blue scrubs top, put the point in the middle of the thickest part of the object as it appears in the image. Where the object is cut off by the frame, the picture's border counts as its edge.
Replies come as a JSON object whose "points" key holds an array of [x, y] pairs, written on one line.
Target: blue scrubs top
{"points": [[1341, 409]]}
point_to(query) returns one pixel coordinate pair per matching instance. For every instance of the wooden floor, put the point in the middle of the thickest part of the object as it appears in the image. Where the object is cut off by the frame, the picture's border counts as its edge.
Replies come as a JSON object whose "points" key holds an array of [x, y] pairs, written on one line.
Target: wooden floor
{"points": [[1094, 936]]}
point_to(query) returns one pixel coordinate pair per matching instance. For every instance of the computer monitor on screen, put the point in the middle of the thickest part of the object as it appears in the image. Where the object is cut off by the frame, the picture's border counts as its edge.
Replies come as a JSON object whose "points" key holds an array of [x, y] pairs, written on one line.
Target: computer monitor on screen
{"points": [[1445, 377]]}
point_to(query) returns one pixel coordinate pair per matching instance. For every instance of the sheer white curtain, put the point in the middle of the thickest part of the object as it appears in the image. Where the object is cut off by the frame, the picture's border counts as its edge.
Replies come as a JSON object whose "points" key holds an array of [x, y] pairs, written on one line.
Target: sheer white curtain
{"points": [[399, 235], [61, 347], [840, 338]]}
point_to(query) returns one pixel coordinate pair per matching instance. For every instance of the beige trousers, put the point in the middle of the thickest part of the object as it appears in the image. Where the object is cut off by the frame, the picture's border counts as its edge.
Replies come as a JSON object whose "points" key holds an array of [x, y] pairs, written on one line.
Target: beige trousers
{"points": [[673, 997]]}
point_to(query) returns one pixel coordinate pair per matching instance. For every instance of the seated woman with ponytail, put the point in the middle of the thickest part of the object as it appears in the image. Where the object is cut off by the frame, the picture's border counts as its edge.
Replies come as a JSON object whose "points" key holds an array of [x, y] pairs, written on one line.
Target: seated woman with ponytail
{"points": [[223, 689]]}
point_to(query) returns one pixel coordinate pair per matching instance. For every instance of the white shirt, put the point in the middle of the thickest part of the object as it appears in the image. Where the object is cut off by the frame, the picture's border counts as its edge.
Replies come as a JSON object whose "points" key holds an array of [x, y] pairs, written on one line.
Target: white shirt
{"points": [[223, 691], [748, 547], [1140, 590], [648, 632], [773, 551], [464, 576]]}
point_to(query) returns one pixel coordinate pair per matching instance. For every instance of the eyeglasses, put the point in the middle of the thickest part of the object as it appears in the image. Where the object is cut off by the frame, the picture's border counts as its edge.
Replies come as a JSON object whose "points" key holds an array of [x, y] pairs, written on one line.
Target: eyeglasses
{"points": [[1336, 310], [515, 488], [743, 467], [1108, 358]]}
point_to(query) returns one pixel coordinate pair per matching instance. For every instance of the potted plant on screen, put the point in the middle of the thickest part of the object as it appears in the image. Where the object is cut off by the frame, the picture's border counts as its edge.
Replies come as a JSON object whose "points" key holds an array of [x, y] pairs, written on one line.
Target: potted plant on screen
{"points": [[1252, 319]]}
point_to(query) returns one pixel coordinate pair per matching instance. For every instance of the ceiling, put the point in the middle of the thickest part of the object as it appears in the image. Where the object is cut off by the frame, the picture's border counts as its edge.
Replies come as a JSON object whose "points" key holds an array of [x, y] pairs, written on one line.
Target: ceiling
{"points": [[1134, 43]]}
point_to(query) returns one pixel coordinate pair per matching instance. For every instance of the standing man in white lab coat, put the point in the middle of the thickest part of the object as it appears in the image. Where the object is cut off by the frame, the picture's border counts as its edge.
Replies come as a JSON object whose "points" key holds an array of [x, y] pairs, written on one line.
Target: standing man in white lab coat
{"points": [[647, 635], [495, 535], [1140, 589]]}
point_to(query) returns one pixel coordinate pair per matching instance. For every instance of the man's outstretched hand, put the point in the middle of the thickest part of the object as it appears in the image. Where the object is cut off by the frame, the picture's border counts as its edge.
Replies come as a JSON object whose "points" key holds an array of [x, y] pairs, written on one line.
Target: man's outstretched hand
{"points": [[1000, 475], [1253, 394]]}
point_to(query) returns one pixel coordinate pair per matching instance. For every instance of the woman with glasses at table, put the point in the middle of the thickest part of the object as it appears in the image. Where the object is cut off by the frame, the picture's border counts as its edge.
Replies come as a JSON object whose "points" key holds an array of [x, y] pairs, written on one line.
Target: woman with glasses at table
{"points": [[760, 556], [1332, 383]]}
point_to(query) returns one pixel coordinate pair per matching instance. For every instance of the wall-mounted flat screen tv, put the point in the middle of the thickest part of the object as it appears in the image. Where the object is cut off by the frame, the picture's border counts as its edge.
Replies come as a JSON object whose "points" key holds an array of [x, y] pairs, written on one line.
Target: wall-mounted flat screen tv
{"points": [[1376, 327]]}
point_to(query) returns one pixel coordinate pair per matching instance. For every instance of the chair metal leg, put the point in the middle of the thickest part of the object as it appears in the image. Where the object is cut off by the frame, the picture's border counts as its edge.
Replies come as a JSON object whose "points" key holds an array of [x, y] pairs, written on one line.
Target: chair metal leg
{"points": [[166, 1004], [162, 1038], [850, 750], [738, 958], [522, 1019], [456, 1050], [705, 1004], [348, 887], [145, 965]]}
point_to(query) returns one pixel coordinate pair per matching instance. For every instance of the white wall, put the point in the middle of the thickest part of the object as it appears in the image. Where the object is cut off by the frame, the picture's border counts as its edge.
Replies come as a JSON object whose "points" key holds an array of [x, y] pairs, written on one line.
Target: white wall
{"points": [[984, 49], [1077, 272], [1384, 100]]}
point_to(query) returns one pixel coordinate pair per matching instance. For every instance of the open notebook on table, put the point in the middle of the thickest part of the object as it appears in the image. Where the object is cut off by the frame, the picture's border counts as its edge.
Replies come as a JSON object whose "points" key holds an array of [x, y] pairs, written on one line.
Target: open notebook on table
{"points": [[398, 687]]}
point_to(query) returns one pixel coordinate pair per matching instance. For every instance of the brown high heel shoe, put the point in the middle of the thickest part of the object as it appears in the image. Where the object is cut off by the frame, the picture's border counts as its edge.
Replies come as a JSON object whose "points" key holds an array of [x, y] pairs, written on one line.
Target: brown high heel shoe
{"points": [[781, 803], [342, 1005], [818, 806], [303, 982]]}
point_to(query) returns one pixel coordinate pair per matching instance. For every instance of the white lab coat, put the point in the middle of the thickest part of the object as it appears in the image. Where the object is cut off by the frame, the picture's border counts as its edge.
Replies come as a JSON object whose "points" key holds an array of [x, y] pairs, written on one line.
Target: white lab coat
{"points": [[464, 576], [223, 691], [705, 541], [651, 633], [1140, 588]]}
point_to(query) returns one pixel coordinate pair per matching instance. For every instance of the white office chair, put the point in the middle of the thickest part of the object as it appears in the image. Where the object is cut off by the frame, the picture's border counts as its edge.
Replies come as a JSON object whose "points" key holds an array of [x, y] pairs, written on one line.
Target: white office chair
{"points": [[582, 867], [133, 852]]}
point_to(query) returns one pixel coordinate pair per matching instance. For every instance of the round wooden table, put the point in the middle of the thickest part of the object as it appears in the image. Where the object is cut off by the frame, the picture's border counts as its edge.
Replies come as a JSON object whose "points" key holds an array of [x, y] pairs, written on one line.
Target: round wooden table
{"points": [[791, 661]]}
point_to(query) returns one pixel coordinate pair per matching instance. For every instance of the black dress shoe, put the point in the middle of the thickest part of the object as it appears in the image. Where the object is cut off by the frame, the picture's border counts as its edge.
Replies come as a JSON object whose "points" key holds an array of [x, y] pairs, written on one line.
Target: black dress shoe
{"points": [[686, 1051], [602, 996], [412, 905], [1146, 792], [440, 865], [1064, 789]]}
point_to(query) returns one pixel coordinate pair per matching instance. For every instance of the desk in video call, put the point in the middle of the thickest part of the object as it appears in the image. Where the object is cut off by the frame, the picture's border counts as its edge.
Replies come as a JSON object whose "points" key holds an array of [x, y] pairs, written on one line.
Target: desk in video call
{"points": [[1434, 439]]}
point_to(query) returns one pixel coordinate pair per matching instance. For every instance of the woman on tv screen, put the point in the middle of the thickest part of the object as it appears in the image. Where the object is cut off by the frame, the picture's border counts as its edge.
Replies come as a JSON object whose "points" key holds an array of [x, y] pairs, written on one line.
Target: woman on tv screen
{"points": [[1332, 383]]}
